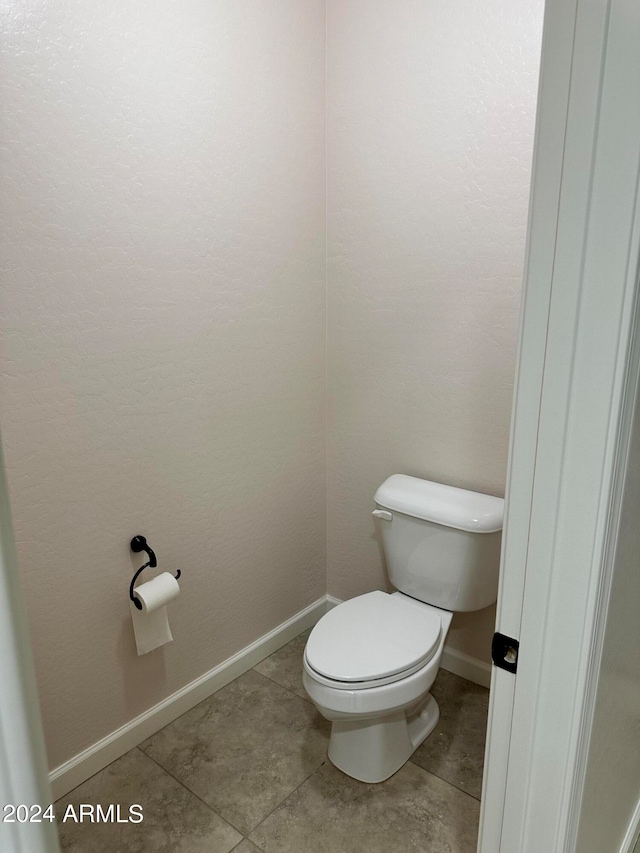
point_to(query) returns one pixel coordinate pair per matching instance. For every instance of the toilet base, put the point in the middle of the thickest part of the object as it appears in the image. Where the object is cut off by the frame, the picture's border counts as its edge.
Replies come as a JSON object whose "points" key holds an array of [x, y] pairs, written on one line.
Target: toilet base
{"points": [[372, 750]]}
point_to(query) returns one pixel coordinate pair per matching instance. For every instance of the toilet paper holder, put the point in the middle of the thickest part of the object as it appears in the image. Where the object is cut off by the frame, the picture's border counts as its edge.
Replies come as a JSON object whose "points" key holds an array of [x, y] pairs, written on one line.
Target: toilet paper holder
{"points": [[138, 544]]}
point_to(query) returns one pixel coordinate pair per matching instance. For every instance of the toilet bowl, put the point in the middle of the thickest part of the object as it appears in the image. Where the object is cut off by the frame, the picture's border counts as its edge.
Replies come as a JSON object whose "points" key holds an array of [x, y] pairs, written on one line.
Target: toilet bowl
{"points": [[369, 663], [372, 685]]}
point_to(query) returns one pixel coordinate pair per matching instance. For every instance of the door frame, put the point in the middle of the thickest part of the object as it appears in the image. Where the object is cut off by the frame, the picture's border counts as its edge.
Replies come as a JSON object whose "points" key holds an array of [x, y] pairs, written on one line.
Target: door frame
{"points": [[575, 389], [24, 779]]}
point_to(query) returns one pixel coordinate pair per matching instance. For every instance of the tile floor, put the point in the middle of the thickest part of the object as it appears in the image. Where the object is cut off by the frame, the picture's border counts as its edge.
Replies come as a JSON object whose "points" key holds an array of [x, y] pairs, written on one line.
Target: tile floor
{"points": [[247, 771]]}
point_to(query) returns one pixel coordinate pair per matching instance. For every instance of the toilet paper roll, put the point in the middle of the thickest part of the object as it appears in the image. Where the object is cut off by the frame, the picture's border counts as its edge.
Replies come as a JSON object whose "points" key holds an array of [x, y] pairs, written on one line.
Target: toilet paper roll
{"points": [[151, 624], [157, 593]]}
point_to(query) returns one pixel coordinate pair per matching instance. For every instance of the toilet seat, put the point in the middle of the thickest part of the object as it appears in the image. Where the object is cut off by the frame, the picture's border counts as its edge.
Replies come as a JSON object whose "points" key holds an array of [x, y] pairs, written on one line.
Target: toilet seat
{"points": [[372, 640]]}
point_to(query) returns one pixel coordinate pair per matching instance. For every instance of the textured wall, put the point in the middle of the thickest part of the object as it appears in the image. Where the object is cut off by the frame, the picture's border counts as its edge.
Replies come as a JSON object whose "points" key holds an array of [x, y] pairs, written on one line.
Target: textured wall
{"points": [[430, 124], [163, 307], [163, 320], [612, 789]]}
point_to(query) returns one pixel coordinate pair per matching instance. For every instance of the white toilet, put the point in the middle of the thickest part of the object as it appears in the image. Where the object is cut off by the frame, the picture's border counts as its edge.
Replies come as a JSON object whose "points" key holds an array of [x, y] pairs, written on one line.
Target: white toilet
{"points": [[369, 663]]}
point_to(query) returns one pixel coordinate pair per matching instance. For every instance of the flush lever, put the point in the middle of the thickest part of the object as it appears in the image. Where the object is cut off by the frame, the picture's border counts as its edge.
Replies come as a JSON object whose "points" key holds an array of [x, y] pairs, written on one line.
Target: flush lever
{"points": [[383, 514]]}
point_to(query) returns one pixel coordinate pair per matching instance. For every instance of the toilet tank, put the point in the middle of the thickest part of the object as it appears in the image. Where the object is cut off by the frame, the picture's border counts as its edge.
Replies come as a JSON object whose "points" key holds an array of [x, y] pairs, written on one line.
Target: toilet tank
{"points": [[442, 544]]}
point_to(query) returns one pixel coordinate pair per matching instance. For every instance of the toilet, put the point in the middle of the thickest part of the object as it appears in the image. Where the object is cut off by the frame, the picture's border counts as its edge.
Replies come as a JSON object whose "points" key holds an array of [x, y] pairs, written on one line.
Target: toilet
{"points": [[369, 663]]}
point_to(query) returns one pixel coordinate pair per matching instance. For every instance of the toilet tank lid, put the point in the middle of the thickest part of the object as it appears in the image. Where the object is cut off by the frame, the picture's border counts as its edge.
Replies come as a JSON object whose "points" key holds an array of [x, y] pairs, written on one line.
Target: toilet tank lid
{"points": [[440, 504]]}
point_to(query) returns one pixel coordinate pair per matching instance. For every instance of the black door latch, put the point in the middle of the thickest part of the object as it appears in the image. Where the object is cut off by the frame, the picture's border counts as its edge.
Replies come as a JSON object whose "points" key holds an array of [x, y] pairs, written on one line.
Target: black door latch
{"points": [[504, 652]]}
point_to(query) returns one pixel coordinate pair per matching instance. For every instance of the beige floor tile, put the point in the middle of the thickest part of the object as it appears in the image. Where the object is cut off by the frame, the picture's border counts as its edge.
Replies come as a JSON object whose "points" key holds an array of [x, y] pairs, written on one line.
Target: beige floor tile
{"points": [[454, 751], [246, 846], [244, 749], [174, 820], [332, 813], [285, 666]]}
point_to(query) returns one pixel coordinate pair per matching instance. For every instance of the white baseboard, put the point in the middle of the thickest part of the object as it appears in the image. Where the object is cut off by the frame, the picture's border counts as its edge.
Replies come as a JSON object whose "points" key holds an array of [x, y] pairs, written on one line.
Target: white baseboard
{"points": [[88, 762], [633, 831], [453, 661], [466, 667]]}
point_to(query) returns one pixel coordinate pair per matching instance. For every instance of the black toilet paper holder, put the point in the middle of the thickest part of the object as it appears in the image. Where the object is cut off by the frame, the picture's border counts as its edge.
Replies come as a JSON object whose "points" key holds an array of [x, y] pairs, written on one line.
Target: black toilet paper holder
{"points": [[138, 544]]}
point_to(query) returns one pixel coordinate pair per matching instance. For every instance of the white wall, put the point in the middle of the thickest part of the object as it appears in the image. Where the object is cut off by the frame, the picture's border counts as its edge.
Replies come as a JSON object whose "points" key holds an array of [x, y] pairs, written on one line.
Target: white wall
{"points": [[612, 790], [163, 307], [430, 126], [163, 322]]}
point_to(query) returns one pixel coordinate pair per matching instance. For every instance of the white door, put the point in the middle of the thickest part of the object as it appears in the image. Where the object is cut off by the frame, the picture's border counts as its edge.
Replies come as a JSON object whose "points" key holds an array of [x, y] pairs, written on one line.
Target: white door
{"points": [[575, 386]]}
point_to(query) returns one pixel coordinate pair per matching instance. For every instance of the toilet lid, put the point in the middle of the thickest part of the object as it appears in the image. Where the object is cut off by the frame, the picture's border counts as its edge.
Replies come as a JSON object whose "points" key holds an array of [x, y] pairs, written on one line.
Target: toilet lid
{"points": [[373, 636]]}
